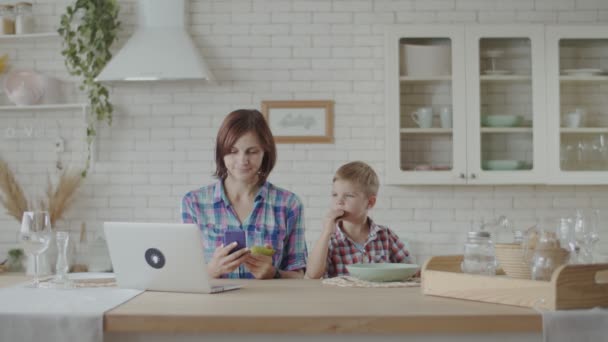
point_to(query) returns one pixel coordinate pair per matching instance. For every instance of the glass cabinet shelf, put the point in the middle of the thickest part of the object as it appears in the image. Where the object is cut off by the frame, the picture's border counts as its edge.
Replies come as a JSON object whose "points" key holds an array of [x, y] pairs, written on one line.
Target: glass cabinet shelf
{"points": [[426, 130], [505, 78], [425, 79], [588, 130], [574, 78]]}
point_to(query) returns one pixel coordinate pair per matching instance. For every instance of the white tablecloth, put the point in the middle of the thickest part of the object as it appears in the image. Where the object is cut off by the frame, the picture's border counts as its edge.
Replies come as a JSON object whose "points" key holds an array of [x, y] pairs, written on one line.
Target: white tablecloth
{"points": [[50, 315], [575, 325]]}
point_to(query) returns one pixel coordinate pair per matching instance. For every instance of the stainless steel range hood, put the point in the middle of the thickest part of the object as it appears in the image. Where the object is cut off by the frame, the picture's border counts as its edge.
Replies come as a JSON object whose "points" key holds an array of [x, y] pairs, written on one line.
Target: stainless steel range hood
{"points": [[160, 48]]}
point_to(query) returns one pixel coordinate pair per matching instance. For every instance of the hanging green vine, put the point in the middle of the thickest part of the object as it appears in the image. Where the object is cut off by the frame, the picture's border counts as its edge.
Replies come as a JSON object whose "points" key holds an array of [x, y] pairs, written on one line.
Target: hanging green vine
{"points": [[88, 29]]}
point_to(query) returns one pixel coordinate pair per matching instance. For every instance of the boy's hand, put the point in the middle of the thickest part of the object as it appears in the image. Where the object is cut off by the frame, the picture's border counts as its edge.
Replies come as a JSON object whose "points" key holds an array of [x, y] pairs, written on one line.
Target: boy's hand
{"points": [[331, 218], [223, 263]]}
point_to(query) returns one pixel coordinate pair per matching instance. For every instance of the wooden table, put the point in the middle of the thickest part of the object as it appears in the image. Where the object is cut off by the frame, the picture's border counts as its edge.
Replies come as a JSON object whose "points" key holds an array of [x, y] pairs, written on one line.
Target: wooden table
{"points": [[308, 307], [301, 310]]}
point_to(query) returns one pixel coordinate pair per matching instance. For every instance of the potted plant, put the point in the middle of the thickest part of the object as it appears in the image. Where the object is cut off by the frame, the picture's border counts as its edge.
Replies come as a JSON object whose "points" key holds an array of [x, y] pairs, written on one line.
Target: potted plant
{"points": [[15, 260], [88, 29]]}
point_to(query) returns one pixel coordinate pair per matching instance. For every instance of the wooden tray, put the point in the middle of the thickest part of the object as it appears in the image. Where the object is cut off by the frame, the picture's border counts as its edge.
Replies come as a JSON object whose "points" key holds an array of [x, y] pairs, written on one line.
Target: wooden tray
{"points": [[571, 286]]}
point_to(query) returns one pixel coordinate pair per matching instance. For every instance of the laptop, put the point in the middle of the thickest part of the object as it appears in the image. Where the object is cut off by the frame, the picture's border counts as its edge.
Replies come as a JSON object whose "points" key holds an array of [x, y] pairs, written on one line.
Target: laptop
{"points": [[159, 257]]}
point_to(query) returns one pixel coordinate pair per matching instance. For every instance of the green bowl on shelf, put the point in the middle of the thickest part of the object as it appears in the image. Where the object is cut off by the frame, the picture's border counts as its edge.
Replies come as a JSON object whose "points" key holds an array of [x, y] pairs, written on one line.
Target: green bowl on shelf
{"points": [[501, 120], [503, 164], [382, 272]]}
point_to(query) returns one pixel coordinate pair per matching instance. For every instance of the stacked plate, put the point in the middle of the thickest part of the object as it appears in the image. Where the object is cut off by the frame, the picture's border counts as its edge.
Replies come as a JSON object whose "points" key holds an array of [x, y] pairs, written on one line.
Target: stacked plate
{"points": [[582, 72]]}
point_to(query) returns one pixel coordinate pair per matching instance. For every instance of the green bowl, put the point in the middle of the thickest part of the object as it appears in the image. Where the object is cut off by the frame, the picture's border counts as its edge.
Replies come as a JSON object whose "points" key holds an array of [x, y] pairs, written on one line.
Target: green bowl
{"points": [[503, 165], [501, 120], [382, 272]]}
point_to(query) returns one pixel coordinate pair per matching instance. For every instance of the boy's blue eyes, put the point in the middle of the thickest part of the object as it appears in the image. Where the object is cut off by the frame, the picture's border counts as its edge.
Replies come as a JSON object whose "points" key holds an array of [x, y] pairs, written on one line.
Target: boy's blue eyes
{"points": [[347, 195]]}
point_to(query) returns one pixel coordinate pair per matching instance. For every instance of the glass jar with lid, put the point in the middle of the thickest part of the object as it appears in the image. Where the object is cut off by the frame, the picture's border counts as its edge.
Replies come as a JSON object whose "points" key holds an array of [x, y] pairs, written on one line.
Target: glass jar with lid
{"points": [[24, 21], [7, 17], [479, 255]]}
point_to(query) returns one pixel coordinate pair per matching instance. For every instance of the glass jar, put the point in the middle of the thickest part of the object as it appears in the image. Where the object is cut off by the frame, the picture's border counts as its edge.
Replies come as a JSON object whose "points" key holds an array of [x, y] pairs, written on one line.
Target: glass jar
{"points": [[24, 21], [7, 16], [479, 255]]}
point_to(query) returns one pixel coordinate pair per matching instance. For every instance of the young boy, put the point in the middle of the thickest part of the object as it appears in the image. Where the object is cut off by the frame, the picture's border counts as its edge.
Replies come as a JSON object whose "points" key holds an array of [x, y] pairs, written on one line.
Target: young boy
{"points": [[349, 236]]}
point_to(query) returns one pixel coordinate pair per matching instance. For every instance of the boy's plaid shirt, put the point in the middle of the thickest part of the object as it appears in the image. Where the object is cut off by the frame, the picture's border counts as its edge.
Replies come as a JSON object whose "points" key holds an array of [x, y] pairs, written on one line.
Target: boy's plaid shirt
{"points": [[276, 220], [382, 245]]}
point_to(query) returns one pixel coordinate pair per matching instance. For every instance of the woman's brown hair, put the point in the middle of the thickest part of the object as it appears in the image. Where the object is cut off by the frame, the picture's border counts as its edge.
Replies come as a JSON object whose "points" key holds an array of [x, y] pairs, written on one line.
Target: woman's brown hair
{"points": [[234, 126]]}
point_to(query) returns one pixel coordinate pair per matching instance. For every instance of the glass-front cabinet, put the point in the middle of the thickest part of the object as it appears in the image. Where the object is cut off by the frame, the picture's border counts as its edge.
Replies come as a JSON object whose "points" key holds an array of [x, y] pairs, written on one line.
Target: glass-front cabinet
{"points": [[465, 104], [577, 75], [426, 105], [506, 104]]}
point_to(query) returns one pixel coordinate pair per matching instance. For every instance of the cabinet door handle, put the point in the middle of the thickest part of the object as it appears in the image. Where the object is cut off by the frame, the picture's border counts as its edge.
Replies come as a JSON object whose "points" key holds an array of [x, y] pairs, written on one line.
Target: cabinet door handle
{"points": [[462, 175], [473, 176]]}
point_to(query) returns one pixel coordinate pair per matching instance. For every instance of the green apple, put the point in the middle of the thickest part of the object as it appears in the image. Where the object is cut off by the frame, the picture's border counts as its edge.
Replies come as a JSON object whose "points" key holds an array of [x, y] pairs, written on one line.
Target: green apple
{"points": [[262, 250]]}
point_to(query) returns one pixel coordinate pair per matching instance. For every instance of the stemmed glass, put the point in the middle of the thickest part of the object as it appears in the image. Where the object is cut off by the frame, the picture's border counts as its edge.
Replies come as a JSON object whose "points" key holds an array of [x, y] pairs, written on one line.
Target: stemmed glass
{"points": [[493, 55], [35, 236], [586, 234]]}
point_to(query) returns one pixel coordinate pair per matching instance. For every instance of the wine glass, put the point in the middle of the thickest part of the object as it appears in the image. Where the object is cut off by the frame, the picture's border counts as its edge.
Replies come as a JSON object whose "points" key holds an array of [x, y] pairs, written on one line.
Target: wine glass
{"points": [[493, 55], [35, 236], [586, 233]]}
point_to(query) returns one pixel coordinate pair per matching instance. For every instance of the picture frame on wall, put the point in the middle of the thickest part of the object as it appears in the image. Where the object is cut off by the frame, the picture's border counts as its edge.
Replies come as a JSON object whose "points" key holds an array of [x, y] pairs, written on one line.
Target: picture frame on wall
{"points": [[295, 121]]}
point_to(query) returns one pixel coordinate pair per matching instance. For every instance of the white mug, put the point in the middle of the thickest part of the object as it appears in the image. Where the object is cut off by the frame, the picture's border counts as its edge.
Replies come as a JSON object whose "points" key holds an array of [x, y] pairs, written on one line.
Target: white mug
{"points": [[573, 119], [445, 116], [423, 117]]}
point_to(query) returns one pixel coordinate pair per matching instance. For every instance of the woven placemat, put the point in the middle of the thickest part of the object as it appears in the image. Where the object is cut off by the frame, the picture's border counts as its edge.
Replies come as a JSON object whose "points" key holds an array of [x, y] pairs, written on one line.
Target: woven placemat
{"points": [[81, 283], [101, 282], [348, 281]]}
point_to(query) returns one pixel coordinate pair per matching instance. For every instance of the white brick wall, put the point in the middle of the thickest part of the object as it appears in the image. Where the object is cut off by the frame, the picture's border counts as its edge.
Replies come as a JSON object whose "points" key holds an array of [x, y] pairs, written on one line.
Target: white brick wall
{"points": [[161, 142]]}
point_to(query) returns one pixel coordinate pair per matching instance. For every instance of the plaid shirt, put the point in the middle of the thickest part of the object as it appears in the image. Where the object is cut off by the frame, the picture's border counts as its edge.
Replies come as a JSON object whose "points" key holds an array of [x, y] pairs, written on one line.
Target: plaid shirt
{"points": [[382, 245], [276, 220]]}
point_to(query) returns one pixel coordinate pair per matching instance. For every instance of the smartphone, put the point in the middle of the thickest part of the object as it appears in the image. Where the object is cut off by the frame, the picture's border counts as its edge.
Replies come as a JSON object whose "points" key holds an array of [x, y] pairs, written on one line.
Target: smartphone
{"points": [[237, 236]]}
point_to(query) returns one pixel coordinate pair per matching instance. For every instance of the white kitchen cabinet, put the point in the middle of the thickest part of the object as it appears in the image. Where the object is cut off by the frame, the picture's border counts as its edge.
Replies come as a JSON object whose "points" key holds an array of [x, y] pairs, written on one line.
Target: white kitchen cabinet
{"points": [[411, 149], [577, 61], [491, 73]]}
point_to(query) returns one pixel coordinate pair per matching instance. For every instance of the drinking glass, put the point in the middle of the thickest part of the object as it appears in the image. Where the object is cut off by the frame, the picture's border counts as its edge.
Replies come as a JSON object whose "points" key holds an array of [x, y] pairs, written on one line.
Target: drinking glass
{"points": [[62, 265], [35, 236], [586, 233]]}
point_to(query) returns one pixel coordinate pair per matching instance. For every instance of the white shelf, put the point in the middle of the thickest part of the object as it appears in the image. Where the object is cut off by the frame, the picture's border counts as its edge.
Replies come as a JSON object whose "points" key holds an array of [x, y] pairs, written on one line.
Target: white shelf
{"points": [[579, 130], [574, 78], [425, 79], [29, 35], [426, 130], [45, 107], [509, 78], [506, 130]]}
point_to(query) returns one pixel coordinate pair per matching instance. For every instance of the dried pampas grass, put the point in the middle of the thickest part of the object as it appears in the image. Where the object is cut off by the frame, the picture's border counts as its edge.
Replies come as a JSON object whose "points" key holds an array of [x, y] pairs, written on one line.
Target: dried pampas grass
{"points": [[13, 198], [58, 199], [61, 198]]}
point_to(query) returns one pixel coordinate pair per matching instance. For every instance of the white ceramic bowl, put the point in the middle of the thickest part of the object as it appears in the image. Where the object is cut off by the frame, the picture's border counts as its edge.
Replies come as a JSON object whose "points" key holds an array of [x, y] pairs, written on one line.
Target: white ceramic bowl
{"points": [[382, 272], [24, 87]]}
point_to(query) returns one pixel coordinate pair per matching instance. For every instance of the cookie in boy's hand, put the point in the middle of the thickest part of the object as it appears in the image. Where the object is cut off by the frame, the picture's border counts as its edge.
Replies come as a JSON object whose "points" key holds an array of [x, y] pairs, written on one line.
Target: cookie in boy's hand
{"points": [[262, 250]]}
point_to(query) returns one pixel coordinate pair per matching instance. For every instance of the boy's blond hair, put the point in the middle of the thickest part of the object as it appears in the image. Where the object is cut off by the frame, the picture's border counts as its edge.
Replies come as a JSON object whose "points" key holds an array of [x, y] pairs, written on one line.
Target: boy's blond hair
{"points": [[361, 175]]}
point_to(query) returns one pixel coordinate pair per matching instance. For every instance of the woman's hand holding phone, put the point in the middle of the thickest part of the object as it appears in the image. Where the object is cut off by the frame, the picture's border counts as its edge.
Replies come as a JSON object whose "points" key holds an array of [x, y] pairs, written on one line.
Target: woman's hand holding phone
{"points": [[229, 255]]}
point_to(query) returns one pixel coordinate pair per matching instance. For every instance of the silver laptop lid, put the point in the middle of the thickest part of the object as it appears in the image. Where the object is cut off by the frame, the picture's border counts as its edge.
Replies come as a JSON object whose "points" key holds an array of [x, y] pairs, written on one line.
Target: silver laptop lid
{"points": [[157, 256]]}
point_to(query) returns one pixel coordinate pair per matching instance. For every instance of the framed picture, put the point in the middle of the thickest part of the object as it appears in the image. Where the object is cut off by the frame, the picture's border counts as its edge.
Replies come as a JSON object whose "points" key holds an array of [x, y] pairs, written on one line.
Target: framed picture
{"points": [[300, 121]]}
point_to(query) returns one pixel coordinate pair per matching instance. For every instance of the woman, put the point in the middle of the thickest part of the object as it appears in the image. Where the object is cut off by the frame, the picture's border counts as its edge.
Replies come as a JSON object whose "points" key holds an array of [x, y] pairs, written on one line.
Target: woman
{"points": [[242, 199]]}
